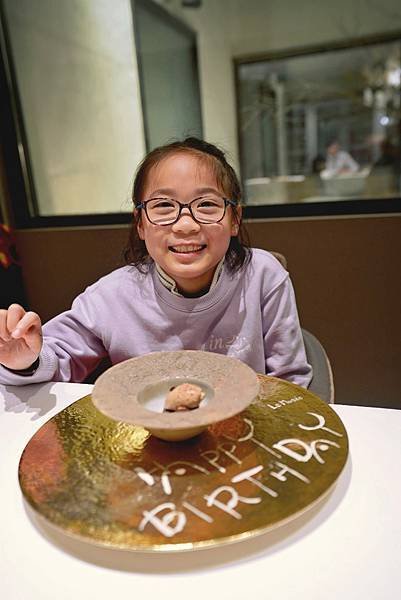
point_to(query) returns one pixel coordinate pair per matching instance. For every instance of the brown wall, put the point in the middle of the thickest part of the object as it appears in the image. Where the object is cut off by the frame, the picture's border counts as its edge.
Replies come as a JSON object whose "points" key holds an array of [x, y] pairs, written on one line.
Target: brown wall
{"points": [[346, 273]]}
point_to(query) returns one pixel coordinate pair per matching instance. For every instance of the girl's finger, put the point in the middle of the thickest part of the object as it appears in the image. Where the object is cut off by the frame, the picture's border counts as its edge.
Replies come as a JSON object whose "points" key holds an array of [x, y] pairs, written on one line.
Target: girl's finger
{"points": [[30, 322], [14, 315], [34, 340], [4, 333]]}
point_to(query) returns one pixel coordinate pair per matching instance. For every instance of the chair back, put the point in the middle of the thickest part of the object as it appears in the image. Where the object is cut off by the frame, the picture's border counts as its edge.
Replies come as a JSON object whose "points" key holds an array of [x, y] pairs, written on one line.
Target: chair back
{"points": [[322, 383]]}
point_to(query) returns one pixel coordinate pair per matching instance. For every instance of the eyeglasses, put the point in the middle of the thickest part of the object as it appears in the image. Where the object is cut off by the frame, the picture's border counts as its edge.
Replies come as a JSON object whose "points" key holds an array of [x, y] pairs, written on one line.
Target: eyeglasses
{"points": [[204, 210]]}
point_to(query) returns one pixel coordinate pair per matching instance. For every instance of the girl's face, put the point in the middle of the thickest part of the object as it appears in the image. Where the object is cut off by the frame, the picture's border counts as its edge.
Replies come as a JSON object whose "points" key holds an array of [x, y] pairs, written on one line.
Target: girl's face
{"points": [[186, 250]]}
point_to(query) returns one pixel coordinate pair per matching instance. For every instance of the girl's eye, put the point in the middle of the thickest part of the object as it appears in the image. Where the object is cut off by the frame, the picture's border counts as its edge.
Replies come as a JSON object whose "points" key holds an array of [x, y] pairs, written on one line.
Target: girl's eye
{"points": [[209, 203], [163, 203]]}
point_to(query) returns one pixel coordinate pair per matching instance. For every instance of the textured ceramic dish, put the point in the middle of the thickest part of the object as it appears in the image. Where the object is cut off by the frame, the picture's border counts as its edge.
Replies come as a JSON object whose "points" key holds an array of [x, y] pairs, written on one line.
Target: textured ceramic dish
{"points": [[134, 391]]}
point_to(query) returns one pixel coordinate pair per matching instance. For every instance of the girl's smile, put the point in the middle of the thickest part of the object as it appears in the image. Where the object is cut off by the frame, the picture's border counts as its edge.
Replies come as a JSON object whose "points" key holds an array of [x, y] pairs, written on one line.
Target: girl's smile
{"points": [[186, 250]]}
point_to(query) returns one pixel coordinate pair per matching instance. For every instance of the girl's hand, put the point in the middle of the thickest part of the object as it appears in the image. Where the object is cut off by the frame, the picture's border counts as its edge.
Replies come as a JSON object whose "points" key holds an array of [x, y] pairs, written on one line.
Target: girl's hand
{"points": [[20, 337]]}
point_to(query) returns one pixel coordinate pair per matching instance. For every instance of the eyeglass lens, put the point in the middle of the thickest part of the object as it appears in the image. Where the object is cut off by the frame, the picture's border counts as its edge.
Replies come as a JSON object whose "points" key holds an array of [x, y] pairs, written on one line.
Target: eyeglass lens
{"points": [[163, 211]]}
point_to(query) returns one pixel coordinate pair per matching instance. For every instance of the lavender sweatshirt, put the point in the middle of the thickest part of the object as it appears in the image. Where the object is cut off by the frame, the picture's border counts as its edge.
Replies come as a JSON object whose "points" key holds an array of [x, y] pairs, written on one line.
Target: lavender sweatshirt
{"points": [[250, 314]]}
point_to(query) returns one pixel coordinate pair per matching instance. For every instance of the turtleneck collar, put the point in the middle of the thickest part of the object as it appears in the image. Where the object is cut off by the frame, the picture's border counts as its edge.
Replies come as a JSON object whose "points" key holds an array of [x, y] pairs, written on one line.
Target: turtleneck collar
{"points": [[171, 285]]}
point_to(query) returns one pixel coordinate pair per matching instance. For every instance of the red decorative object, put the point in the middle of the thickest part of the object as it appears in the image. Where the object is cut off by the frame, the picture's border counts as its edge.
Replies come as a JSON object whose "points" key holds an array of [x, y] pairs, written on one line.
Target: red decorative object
{"points": [[8, 252]]}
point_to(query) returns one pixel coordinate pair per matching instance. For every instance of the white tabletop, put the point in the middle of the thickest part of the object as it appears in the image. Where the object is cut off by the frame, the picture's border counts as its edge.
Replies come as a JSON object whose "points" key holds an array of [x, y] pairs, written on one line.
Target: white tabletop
{"points": [[348, 546]]}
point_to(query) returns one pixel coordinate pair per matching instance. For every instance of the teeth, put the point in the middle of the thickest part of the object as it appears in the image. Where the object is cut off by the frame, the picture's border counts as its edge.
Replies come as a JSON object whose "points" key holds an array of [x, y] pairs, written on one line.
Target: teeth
{"points": [[186, 248]]}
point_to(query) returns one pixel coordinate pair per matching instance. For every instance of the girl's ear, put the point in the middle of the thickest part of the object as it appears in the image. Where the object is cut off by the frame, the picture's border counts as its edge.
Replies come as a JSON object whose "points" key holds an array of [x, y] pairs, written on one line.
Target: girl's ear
{"points": [[236, 220], [139, 224]]}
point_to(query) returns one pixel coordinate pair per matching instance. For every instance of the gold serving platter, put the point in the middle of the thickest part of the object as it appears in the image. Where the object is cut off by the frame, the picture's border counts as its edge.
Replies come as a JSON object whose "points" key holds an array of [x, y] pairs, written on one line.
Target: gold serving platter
{"points": [[112, 483]]}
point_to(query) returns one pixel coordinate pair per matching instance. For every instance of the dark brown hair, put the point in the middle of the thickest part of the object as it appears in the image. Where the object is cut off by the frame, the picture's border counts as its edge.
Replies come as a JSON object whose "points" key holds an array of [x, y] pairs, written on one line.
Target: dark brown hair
{"points": [[238, 251]]}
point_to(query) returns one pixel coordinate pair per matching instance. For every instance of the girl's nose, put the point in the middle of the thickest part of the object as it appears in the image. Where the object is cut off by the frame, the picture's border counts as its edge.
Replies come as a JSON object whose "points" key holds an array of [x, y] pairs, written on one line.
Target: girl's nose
{"points": [[186, 223]]}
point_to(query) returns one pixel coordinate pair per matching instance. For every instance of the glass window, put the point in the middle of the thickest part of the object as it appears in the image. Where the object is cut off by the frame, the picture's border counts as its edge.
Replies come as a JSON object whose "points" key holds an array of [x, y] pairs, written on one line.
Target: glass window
{"points": [[76, 74], [323, 126]]}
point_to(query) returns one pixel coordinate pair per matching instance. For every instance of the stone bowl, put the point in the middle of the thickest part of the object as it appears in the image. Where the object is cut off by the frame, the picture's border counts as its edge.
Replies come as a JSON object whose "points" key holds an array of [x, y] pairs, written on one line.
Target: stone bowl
{"points": [[134, 391]]}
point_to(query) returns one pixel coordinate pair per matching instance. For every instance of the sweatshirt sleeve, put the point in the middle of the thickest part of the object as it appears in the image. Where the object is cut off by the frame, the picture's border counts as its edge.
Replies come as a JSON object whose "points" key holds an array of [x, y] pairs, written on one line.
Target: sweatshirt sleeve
{"points": [[283, 342], [71, 348]]}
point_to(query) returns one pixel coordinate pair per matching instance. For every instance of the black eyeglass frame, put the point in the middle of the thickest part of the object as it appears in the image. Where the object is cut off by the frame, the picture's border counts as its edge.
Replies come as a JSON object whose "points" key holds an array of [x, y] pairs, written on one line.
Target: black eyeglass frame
{"points": [[143, 205]]}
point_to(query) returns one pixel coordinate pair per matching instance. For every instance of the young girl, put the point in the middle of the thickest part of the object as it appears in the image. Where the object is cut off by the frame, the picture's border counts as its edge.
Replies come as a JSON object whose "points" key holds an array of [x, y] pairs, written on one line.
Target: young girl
{"points": [[191, 283]]}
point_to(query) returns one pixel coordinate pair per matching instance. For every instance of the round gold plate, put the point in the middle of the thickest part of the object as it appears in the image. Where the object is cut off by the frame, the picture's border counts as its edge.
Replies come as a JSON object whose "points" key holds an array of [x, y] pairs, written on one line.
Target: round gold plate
{"points": [[113, 484]]}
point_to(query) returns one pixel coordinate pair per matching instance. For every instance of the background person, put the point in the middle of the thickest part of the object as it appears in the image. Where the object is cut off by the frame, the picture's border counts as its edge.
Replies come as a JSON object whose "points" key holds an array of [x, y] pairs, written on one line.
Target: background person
{"points": [[338, 161]]}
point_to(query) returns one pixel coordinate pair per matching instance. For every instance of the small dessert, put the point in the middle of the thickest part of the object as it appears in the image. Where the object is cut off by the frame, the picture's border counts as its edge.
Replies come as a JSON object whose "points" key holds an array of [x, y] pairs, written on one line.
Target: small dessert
{"points": [[185, 396]]}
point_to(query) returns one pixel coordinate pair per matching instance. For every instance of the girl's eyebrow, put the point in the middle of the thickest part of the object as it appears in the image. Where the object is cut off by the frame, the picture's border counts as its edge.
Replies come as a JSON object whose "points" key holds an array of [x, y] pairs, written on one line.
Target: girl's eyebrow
{"points": [[166, 191], [197, 191], [207, 190]]}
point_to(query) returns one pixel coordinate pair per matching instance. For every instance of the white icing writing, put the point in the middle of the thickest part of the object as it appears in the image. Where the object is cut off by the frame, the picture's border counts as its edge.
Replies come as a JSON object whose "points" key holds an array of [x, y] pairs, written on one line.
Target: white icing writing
{"points": [[320, 425], [291, 448], [248, 475], [164, 524], [234, 499], [170, 520]]}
